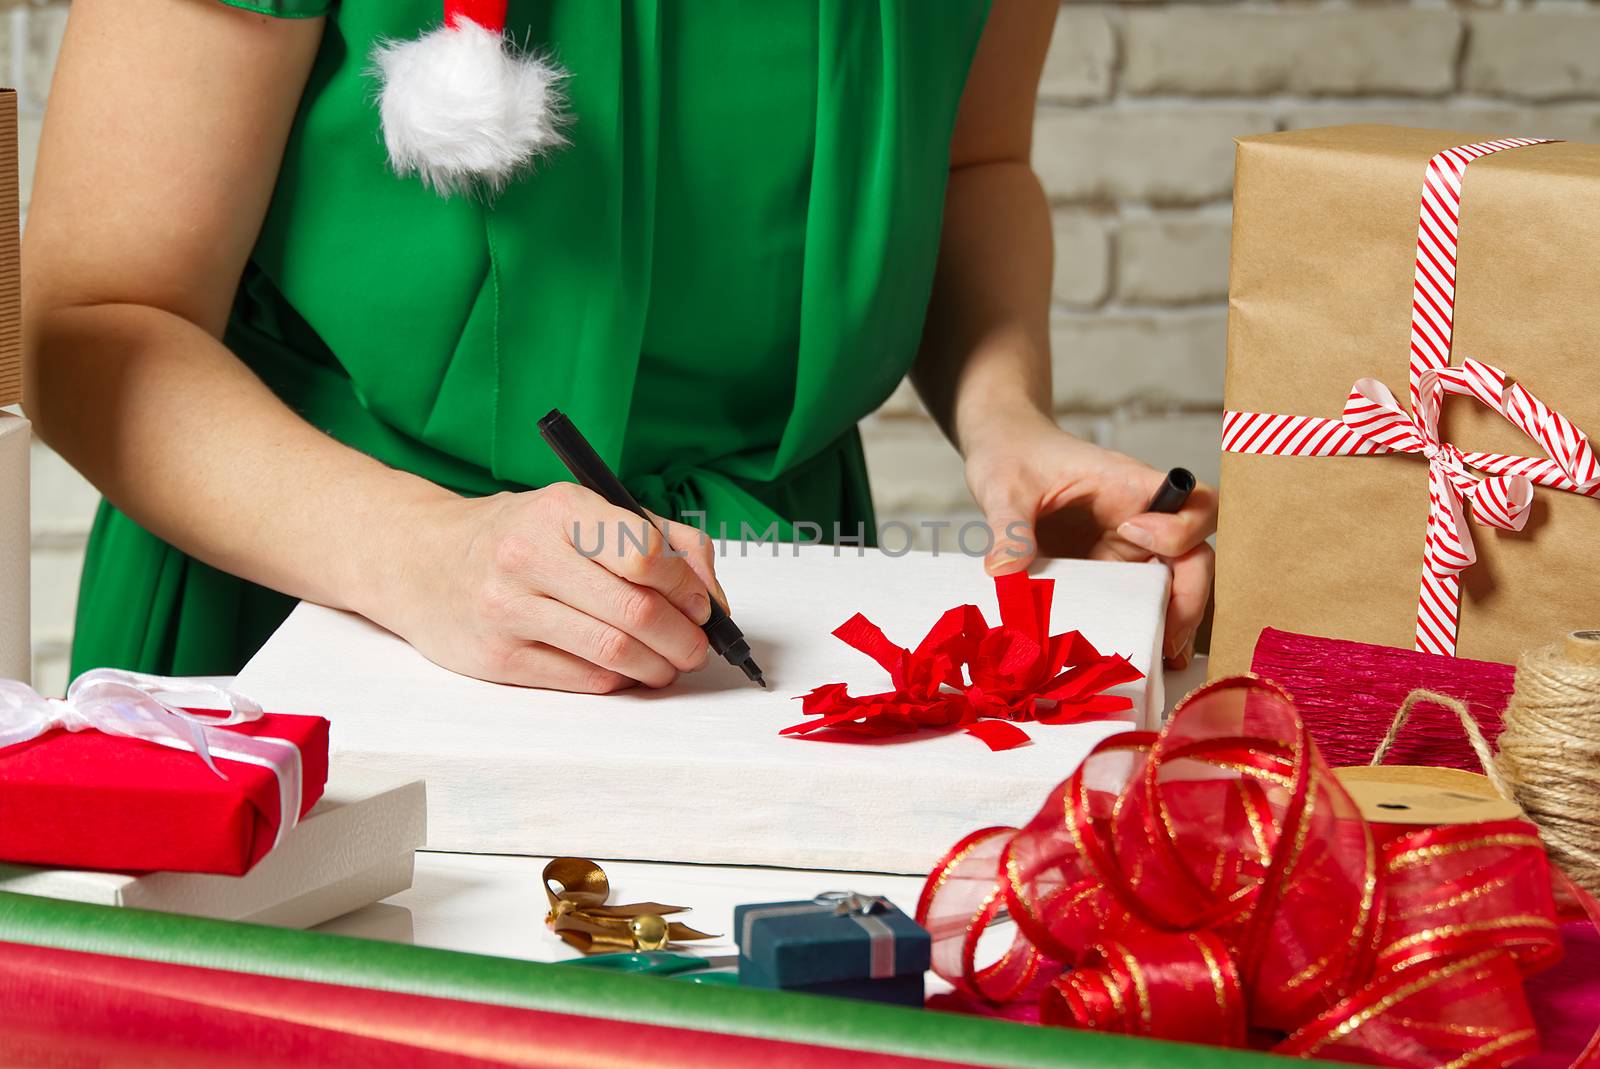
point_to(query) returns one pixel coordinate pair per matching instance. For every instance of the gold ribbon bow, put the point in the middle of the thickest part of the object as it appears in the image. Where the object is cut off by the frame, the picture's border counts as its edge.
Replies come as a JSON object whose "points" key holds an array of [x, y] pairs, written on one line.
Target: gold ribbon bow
{"points": [[577, 889]]}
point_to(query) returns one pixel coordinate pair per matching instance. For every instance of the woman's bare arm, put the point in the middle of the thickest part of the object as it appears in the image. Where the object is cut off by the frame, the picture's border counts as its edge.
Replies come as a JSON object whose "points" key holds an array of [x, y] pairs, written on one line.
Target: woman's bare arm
{"points": [[165, 132], [166, 126], [984, 368], [985, 355]]}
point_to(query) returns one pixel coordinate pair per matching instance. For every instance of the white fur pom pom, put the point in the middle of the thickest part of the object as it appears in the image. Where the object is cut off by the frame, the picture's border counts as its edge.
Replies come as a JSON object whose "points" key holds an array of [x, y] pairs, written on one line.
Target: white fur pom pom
{"points": [[461, 110]]}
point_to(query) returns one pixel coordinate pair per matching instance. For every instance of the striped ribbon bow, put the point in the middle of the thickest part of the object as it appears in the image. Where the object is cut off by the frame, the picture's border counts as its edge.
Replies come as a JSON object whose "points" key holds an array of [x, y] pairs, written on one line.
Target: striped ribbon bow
{"points": [[1374, 422]]}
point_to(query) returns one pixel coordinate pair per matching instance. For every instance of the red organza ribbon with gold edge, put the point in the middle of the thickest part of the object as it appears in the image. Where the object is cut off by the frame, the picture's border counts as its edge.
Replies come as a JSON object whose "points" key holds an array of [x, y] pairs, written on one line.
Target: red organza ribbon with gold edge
{"points": [[1215, 884], [966, 674]]}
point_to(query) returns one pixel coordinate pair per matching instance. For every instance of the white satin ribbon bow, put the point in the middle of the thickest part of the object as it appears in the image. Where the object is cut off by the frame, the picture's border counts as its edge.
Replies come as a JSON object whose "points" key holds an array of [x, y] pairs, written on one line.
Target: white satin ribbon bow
{"points": [[139, 706]]}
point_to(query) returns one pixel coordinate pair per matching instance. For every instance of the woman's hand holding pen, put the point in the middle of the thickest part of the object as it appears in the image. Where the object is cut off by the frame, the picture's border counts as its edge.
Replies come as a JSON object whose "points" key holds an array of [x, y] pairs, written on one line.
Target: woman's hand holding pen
{"points": [[1046, 492], [497, 588]]}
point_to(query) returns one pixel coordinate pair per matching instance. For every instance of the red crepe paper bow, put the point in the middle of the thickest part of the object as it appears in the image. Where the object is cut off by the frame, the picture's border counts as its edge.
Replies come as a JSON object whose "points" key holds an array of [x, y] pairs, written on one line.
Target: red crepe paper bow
{"points": [[1215, 884], [1015, 672]]}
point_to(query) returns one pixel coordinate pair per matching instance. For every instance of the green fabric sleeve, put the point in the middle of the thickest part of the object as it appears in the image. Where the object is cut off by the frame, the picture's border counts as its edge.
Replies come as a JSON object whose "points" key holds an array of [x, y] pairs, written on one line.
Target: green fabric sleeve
{"points": [[616, 996], [284, 9]]}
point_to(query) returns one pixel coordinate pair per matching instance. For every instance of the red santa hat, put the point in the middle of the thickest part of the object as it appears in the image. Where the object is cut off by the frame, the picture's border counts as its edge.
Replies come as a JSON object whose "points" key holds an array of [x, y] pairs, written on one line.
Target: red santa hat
{"points": [[462, 107]]}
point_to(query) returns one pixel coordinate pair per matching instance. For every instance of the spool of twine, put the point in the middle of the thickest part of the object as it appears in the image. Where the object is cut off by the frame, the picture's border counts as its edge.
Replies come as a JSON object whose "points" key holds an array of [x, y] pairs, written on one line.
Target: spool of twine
{"points": [[1549, 751]]}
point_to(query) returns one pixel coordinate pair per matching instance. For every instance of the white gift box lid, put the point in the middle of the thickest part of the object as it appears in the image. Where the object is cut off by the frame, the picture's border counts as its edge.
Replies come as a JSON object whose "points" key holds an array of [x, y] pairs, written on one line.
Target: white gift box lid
{"points": [[697, 772], [356, 846]]}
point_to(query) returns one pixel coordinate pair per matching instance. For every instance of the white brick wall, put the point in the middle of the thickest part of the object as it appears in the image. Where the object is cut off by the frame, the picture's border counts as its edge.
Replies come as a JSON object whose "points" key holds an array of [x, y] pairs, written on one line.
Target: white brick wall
{"points": [[1193, 50], [1138, 109]]}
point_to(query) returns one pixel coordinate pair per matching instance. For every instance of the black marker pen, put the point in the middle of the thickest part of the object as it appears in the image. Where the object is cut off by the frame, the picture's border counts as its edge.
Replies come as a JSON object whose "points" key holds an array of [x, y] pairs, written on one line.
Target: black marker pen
{"points": [[1174, 492]]}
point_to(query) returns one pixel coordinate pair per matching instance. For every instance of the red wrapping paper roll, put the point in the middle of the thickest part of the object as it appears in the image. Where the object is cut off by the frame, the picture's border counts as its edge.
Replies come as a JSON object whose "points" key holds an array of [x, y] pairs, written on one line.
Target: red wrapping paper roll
{"points": [[62, 1007]]}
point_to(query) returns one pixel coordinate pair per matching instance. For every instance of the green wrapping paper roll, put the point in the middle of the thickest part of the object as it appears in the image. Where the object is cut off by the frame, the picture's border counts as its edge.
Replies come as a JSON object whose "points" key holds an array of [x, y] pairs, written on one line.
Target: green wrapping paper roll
{"points": [[595, 993]]}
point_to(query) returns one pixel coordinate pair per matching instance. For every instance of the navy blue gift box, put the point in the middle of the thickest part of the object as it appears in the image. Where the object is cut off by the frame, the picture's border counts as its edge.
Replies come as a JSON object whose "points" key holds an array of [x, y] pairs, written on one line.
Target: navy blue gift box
{"points": [[853, 946]]}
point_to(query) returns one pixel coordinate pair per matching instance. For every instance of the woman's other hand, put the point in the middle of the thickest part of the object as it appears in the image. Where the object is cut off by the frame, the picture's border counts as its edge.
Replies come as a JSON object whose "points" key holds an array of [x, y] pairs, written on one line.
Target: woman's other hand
{"points": [[1046, 492], [552, 588]]}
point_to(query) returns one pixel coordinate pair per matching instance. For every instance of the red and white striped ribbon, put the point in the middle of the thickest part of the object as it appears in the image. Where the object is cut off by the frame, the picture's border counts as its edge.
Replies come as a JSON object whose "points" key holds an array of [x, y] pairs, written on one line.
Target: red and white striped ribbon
{"points": [[1374, 422]]}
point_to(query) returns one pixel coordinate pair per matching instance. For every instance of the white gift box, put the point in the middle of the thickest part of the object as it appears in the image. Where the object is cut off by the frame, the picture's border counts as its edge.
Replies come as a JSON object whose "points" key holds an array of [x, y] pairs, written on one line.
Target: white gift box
{"points": [[356, 846], [15, 655], [697, 772]]}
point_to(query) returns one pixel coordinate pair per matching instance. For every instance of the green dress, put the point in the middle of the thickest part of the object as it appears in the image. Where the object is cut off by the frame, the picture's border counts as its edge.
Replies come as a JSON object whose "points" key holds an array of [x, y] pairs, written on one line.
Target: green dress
{"points": [[725, 269]]}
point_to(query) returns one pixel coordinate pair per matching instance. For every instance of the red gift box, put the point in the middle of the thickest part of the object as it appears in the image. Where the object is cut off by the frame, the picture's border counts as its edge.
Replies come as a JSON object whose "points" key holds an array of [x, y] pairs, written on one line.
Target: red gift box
{"points": [[90, 799]]}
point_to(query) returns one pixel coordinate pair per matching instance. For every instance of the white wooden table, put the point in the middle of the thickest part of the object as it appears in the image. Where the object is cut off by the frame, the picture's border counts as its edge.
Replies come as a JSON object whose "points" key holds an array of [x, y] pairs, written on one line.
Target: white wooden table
{"points": [[492, 904]]}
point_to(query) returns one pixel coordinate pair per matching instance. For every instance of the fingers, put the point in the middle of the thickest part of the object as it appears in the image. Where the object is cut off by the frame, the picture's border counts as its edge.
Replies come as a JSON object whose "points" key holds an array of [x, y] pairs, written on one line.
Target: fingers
{"points": [[1010, 516], [698, 551], [600, 643], [1186, 602], [579, 595], [539, 665], [637, 612], [1115, 549], [1171, 535], [1191, 589], [626, 577], [1014, 545], [631, 548]]}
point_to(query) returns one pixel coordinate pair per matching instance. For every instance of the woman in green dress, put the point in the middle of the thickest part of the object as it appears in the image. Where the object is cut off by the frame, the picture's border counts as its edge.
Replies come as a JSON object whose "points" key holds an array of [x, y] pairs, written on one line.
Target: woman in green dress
{"points": [[297, 372]]}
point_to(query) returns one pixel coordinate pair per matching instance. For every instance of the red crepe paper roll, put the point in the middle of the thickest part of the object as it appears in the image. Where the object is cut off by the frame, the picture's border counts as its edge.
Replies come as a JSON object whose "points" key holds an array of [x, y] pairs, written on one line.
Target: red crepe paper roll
{"points": [[1347, 694], [62, 1007]]}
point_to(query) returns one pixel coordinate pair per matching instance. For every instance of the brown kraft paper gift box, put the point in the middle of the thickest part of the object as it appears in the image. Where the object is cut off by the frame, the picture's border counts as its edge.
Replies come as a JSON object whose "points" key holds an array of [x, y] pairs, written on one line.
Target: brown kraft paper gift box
{"points": [[1324, 250], [14, 430], [10, 256]]}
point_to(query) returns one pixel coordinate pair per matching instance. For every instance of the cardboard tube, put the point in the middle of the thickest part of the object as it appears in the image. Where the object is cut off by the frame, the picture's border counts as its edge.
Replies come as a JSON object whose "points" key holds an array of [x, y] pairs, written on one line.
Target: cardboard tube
{"points": [[1583, 647]]}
